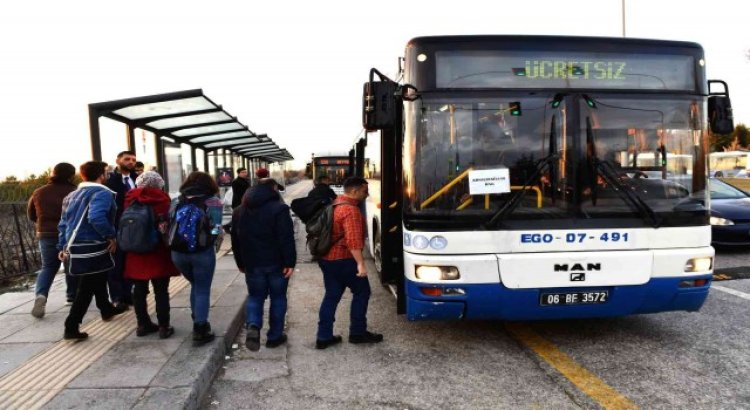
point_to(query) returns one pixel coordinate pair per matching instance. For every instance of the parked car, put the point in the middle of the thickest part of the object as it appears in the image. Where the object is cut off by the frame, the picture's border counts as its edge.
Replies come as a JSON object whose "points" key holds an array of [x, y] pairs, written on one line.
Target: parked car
{"points": [[730, 214]]}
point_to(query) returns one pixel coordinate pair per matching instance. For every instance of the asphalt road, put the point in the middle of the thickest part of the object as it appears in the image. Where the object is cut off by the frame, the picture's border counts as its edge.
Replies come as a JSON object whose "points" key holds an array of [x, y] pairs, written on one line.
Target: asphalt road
{"points": [[668, 360]]}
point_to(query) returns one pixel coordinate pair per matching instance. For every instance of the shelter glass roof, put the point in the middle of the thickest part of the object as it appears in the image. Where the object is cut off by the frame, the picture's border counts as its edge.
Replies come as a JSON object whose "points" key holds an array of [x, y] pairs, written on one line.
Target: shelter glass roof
{"points": [[229, 135], [208, 129], [187, 117], [135, 112], [189, 120]]}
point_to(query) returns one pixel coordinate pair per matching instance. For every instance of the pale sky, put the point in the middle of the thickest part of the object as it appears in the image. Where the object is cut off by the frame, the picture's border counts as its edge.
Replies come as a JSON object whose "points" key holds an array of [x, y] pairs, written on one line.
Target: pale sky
{"points": [[292, 70]]}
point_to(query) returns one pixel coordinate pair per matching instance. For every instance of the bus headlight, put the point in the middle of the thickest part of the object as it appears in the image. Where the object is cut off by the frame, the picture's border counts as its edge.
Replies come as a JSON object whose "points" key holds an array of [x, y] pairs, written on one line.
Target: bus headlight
{"points": [[420, 242], [715, 220], [407, 239], [436, 273], [438, 242], [699, 264]]}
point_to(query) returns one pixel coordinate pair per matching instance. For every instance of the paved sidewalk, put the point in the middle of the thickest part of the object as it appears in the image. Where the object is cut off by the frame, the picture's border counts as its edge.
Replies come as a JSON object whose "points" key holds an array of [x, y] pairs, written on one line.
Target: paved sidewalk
{"points": [[114, 369]]}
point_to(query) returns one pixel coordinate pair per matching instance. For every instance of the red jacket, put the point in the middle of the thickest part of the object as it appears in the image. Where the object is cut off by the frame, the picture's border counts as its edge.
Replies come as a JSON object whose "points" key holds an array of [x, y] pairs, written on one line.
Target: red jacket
{"points": [[156, 264]]}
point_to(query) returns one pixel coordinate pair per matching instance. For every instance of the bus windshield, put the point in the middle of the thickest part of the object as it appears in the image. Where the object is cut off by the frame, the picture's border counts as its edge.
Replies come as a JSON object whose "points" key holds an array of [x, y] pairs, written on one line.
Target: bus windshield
{"points": [[555, 161], [335, 168]]}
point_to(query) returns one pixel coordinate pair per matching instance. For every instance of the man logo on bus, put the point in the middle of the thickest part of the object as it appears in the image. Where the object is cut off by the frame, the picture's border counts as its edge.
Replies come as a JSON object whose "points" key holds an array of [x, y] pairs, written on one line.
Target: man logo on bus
{"points": [[576, 274]]}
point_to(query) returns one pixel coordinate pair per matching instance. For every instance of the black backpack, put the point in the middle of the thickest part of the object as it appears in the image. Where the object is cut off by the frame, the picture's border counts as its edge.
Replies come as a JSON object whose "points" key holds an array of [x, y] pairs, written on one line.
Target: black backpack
{"points": [[137, 230], [319, 229], [190, 226]]}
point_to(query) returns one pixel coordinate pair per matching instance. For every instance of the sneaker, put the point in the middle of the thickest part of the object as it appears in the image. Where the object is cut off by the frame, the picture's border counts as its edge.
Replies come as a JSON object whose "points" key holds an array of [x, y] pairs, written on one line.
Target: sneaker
{"points": [[322, 344], [367, 337], [75, 335], [252, 340], [116, 310], [276, 342], [146, 330], [165, 331], [40, 303]]}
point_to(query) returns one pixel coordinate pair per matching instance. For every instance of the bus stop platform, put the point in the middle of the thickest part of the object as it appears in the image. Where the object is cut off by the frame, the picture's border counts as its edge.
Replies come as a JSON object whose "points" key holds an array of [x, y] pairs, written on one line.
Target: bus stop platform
{"points": [[113, 368]]}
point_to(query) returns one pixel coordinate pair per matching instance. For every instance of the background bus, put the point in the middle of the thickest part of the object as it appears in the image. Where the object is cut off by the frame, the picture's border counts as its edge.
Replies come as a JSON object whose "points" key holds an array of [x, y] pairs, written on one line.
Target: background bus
{"points": [[729, 164], [336, 166], [533, 177]]}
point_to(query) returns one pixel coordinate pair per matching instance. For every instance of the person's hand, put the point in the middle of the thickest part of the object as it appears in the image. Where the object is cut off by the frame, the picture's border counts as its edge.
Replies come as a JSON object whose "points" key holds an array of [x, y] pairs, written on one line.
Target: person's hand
{"points": [[61, 256], [288, 272], [361, 270], [111, 245]]}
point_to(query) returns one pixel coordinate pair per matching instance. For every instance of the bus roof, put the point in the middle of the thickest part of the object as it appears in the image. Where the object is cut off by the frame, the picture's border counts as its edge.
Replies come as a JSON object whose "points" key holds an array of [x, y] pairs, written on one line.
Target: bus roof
{"points": [[553, 42]]}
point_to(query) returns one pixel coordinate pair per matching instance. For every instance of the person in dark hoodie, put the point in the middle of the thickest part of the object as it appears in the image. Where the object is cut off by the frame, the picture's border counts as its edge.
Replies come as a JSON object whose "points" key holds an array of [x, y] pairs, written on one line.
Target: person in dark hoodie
{"points": [[264, 250], [198, 267], [323, 189], [155, 266]]}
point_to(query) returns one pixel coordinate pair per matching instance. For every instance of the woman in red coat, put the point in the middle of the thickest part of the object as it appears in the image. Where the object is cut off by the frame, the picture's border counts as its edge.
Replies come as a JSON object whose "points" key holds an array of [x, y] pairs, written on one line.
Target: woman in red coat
{"points": [[155, 266]]}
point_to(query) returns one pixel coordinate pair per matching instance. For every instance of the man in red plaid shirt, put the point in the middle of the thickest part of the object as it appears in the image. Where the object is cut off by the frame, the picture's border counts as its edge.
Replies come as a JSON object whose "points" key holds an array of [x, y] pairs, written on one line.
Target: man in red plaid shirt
{"points": [[344, 267]]}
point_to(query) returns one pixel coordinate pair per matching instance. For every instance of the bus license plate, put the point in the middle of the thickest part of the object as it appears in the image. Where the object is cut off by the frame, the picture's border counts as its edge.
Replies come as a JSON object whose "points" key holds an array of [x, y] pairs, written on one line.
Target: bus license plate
{"points": [[574, 298]]}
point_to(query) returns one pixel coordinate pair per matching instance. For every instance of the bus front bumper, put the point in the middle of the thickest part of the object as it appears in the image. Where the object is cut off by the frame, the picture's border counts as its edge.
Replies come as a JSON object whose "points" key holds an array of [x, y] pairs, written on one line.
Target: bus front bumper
{"points": [[495, 301]]}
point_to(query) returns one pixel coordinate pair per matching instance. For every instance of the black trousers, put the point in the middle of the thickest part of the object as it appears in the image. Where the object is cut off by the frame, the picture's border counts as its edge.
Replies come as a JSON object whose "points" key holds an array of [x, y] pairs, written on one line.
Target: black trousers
{"points": [[89, 286], [161, 296]]}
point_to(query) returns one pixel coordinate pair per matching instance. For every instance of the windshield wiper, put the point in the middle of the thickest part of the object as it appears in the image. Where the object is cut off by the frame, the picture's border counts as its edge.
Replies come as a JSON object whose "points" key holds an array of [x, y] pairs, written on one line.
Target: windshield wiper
{"points": [[607, 171], [540, 165]]}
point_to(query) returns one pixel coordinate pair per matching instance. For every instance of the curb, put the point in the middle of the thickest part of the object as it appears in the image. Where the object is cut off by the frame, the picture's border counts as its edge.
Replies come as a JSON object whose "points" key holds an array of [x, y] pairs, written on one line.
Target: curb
{"points": [[222, 346]]}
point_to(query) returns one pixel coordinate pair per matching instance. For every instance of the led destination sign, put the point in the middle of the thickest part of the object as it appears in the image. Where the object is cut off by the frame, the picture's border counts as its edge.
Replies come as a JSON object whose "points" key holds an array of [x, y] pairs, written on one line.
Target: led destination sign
{"points": [[574, 70], [538, 69]]}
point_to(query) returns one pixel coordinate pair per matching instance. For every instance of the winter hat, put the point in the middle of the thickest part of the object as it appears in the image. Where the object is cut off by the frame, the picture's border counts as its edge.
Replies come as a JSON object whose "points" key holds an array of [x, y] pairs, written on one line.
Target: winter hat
{"points": [[149, 179], [261, 173]]}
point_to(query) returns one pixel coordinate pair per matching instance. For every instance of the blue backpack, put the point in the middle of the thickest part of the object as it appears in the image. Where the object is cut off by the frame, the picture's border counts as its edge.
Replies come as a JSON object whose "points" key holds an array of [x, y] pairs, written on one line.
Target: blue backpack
{"points": [[190, 226], [137, 230]]}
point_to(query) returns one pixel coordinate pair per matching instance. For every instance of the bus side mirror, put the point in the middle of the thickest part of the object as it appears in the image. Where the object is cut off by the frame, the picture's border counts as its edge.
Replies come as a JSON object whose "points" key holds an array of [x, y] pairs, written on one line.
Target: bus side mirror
{"points": [[379, 105], [720, 116]]}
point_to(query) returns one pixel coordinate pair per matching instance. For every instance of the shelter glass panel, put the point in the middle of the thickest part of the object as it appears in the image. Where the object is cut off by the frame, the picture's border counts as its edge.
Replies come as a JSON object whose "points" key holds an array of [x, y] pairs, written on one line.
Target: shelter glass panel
{"points": [[135, 112], [189, 119], [208, 129]]}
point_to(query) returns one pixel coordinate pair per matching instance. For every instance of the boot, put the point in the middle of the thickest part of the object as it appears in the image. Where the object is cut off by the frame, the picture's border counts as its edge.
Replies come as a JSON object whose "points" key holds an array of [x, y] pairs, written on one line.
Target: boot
{"points": [[202, 333]]}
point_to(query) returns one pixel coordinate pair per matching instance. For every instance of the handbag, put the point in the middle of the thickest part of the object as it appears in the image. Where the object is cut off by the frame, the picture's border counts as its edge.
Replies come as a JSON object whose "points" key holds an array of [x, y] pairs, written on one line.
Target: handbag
{"points": [[86, 258]]}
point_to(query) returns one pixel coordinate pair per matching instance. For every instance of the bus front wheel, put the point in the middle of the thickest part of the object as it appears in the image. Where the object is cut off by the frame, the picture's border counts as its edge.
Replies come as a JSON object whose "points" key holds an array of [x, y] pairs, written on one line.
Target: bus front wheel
{"points": [[378, 255]]}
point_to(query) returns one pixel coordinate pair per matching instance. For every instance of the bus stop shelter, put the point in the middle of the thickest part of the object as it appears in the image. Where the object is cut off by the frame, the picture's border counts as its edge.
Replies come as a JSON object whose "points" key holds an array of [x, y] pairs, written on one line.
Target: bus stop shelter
{"points": [[186, 117]]}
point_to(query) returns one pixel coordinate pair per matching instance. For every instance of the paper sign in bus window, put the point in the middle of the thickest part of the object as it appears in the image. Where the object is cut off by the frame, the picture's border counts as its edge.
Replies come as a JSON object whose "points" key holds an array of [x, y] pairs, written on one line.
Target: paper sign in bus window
{"points": [[489, 181]]}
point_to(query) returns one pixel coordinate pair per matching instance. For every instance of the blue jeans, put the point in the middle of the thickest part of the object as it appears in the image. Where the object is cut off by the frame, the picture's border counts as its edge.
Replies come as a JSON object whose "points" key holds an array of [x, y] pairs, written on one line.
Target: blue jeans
{"points": [[50, 266], [198, 269], [337, 276], [261, 282]]}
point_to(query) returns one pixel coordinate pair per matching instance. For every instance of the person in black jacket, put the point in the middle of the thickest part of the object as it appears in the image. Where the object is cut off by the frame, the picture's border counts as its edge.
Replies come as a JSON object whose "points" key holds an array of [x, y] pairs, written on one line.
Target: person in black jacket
{"points": [[121, 181], [322, 189], [264, 250], [239, 186]]}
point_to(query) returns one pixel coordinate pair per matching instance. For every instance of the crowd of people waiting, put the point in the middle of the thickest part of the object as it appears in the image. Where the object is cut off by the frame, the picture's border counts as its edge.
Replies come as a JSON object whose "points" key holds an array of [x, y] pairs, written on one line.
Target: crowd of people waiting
{"points": [[118, 233]]}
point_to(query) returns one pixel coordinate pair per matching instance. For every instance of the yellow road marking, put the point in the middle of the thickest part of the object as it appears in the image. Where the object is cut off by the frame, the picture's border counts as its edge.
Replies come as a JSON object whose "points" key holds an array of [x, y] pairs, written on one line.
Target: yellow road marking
{"points": [[583, 379], [41, 378]]}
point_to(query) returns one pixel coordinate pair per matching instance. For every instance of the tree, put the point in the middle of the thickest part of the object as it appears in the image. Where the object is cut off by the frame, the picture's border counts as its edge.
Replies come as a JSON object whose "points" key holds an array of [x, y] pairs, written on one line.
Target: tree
{"points": [[742, 134], [738, 139]]}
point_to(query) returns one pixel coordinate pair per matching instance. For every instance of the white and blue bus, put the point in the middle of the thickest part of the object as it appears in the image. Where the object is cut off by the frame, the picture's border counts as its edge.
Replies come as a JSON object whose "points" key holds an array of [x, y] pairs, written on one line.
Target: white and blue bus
{"points": [[512, 186]]}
